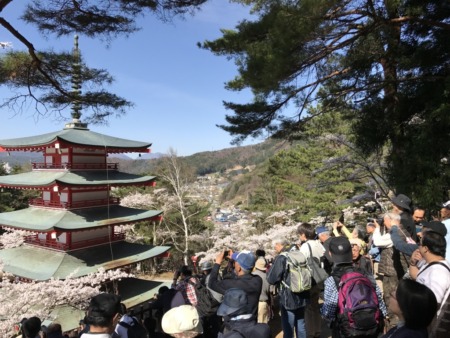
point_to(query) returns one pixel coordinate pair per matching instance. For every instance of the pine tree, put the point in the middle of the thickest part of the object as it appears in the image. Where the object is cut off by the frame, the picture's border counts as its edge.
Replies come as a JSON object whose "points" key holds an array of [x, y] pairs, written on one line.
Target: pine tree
{"points": [[386, 63]]}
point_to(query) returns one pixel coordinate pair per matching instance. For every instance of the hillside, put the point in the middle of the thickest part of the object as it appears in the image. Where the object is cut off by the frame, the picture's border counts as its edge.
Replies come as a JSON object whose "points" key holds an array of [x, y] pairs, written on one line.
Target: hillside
{"points": [[19, 158], [211, 161], [202, 163]]}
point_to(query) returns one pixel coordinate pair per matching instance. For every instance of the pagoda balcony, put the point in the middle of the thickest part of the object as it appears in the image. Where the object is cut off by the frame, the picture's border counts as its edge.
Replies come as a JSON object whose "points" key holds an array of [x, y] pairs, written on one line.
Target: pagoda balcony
{"points": [[55, 245], [39, 202], [76, 166]]}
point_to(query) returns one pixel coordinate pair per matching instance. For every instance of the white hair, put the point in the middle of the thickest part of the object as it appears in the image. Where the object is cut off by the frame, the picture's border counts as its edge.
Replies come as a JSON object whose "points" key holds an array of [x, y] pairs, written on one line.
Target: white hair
{"points": [[280, 240], [393, 216]]}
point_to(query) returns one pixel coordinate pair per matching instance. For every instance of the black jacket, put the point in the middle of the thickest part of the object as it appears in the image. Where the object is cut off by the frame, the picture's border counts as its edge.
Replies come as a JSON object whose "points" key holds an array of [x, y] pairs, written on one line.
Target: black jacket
{"points": [[251, 284], [408, 223], [247, 328], [289, 300]]}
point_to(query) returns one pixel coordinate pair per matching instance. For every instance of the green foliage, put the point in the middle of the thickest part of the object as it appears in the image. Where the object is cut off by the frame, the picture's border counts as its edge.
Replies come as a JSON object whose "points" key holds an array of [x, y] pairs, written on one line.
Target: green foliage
{"points": [[384, 64], [109, 18], [14, 199], [44, 77], [322, 174], [18, 70]]}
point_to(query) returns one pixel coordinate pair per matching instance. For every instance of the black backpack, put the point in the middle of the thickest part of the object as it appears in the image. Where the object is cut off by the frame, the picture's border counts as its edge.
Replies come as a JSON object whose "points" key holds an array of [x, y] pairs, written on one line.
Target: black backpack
{"points": [[207, 305], [440, 326], [135, 330]]}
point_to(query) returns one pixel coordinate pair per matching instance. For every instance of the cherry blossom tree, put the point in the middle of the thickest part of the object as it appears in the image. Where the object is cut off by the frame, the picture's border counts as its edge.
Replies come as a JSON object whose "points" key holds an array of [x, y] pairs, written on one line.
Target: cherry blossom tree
{"points": [[177, 177], [13, 238], [241, 236], [26, 299]]}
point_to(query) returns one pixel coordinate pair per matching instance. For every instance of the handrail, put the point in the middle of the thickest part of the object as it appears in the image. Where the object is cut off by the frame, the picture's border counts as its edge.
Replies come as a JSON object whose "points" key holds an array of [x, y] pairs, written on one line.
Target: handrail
{"points": [[74, 205], [34, 240]]}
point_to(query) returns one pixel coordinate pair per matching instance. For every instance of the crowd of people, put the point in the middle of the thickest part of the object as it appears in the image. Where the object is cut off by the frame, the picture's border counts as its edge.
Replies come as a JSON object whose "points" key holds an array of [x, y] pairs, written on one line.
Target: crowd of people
{"points": [[389, 278]]}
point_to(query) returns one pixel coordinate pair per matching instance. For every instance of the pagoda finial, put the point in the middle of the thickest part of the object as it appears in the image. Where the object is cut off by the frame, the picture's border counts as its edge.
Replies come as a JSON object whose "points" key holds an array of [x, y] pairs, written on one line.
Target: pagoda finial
{"points": [[76, 88], [76, 78]]}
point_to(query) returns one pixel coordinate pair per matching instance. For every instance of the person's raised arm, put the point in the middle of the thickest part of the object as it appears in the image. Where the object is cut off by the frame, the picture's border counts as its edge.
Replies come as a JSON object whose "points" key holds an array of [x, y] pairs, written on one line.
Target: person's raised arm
{"points": [[214, 282], [400, 244], [381, 241]]}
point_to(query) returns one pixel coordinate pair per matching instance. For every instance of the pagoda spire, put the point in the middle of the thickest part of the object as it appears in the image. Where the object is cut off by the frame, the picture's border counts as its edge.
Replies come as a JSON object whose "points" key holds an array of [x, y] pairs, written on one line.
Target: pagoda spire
{"points": [[76, 88]]}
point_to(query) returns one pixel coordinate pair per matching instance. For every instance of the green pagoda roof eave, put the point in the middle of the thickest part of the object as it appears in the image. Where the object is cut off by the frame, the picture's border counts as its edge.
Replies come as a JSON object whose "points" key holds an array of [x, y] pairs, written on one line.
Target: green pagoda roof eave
{"points": [[82, 137], [49, 178], [44, 220], [41, 264], [132, 291]]}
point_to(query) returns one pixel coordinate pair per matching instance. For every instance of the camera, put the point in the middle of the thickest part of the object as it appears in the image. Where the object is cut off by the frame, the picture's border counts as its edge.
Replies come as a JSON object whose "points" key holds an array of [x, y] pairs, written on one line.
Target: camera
{"points": [[370, 208], [379, 220]]}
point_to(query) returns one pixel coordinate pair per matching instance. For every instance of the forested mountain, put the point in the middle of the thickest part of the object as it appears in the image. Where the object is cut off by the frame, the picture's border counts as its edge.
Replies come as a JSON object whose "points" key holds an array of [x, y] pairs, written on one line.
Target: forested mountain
{"points": [[323, 173], [211, 161]]}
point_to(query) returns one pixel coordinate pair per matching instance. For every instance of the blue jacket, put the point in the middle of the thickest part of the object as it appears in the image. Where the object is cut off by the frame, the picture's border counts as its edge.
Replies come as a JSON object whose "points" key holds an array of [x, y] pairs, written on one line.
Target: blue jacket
{"points": [[400, 244]]}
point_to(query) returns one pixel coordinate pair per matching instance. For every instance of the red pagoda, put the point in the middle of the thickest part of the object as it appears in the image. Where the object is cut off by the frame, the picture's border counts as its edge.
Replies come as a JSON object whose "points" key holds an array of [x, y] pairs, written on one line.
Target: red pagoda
{"points": [[75, 224]]}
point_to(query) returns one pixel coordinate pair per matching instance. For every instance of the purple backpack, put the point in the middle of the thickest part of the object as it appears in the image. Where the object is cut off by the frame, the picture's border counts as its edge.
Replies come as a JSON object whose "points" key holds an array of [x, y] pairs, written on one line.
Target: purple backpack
{"points": [[359, 313]]}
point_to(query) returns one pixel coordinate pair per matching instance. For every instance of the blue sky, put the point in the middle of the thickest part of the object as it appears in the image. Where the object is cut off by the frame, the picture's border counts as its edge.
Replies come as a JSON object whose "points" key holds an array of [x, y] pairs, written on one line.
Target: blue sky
{"points": [[177, 88]]}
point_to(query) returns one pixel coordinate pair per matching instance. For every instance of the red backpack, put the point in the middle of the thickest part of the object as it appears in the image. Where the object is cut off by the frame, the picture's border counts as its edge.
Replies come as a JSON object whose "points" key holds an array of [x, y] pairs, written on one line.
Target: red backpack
{"points": [[359, 313]]}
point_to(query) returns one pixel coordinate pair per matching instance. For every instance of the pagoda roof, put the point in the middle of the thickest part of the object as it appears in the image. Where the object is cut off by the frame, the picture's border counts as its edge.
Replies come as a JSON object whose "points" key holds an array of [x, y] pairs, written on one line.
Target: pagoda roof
{"points": [[38, 219], [43, 178], [42, 264], [132, 291], [75, 136]]}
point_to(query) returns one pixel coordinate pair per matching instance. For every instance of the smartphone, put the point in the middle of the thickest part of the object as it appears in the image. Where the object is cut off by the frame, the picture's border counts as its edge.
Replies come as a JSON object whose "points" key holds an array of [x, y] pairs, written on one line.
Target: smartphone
{"points": [[225, 253]]}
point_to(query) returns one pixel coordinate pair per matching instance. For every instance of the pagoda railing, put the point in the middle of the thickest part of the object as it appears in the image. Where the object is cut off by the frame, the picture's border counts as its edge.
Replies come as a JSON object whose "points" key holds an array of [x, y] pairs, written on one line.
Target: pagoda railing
{"points": [[39, 202], [54, 244], [79, 166]]}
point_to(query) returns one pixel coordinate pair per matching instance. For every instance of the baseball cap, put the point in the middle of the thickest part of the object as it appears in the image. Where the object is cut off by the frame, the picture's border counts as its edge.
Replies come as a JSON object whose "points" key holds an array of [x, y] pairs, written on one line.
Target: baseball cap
{"points": [[341, 250], [321, 229], [436, 226], [246, 259]]}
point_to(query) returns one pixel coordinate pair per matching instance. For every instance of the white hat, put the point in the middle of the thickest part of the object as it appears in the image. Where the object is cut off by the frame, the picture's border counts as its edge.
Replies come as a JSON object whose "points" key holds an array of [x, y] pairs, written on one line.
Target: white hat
{"points": [[183, 318], [355, 241], [261, 264]]}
